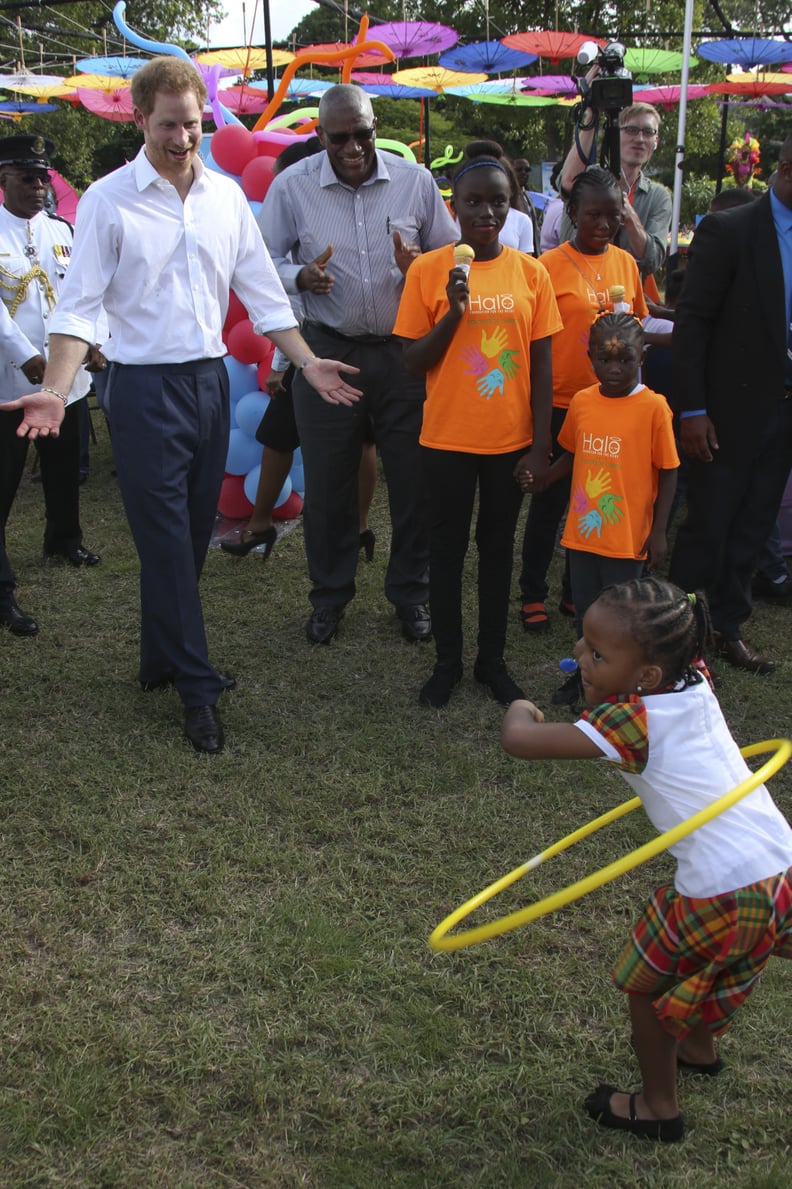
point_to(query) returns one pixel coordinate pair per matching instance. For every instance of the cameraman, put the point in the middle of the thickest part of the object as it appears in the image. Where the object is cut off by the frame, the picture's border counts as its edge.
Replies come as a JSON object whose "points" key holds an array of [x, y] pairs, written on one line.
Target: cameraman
{"points": [[647, 206]]}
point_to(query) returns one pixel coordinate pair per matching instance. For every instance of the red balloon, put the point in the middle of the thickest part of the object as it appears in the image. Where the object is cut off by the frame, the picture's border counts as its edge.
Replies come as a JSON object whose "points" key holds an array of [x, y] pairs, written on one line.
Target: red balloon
{"points": [[245, 345], [257, 177], [233, 502], [290, 509], [232, 147], [235, 313]]}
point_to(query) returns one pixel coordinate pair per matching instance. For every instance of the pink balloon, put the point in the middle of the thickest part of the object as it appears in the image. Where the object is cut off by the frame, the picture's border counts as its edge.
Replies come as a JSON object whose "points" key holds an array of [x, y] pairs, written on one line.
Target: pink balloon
{"points": [[290, 509], [257, 177], [233, 502], [232, 147], [245, 345]]}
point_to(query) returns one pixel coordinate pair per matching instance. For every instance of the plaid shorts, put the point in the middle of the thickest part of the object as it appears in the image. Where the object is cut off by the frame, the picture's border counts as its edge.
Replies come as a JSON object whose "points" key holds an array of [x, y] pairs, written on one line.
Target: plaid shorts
{"points": [[699, 958]]}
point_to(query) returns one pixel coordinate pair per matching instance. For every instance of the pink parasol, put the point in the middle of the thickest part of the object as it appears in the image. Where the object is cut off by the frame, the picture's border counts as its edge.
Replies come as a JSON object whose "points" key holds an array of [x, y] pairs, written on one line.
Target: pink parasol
{"points": [[549, 84], [548, 43], [110, 105], [668, 96]]}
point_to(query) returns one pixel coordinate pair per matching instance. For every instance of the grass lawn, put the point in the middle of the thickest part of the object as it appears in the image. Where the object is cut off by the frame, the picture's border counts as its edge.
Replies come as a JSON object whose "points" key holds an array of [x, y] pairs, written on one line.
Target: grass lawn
{"points": [[215, 970]]}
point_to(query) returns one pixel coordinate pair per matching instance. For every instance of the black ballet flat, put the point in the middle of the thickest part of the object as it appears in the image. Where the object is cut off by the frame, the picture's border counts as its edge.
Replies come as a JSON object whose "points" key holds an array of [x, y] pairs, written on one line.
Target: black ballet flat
{"points": [[367, 542], [249, 539]]}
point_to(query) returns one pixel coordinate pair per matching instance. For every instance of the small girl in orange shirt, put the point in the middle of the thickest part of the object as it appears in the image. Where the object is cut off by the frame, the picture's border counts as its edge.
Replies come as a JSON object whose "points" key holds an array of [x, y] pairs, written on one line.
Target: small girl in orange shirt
{"points": [[619, 446]]}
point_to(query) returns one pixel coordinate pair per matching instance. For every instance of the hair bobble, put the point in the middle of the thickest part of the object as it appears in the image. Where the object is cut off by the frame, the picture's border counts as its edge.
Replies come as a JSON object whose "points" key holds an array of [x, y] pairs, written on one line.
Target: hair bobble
{"points": [[691, 599]]}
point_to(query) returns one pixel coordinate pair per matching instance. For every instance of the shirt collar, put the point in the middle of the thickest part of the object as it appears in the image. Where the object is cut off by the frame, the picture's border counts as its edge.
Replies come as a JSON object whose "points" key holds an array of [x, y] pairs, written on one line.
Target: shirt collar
{"points": [[146, 175], [782, 214]]}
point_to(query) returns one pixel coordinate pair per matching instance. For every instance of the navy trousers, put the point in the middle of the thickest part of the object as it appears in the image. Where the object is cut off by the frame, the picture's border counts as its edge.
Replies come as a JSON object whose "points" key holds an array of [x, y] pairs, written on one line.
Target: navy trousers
{"points": [[169, 429]]}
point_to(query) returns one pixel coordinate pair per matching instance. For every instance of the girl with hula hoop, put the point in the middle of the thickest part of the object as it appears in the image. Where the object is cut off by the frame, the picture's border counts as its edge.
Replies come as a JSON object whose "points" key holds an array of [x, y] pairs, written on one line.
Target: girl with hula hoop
{"points": [[701, 943]]}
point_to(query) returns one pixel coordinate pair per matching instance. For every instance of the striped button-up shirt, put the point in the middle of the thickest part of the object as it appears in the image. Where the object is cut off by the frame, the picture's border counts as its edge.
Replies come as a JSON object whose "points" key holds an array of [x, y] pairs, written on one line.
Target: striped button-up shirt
{"points": [[307, 208]]}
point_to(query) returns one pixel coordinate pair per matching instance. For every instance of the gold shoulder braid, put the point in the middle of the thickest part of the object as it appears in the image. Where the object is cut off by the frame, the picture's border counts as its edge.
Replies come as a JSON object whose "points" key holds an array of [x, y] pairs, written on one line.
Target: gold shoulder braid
{"points": [[20, 286]]}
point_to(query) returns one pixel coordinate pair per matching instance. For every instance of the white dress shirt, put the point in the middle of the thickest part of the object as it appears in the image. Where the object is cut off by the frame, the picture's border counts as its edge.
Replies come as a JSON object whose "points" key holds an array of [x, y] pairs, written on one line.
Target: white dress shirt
{"points": [[163, 268], [25, 243]]}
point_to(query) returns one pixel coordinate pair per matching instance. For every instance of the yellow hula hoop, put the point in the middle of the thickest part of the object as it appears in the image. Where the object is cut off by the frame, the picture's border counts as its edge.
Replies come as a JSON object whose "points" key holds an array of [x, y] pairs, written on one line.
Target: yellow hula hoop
{"points": [[439, 940]]}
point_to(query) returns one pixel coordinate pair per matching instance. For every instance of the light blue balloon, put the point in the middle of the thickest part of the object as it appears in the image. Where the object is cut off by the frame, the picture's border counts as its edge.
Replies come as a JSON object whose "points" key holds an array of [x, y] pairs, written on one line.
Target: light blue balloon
{"points": [[297, 476], [244, 452], [252, 482], [285, 492], [249, 410], [254, 205], [242, 377]]}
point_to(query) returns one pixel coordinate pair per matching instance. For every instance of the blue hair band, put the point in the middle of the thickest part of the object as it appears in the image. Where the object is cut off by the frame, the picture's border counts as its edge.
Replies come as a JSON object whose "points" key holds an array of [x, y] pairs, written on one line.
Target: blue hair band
{"points": [[480, 164]]}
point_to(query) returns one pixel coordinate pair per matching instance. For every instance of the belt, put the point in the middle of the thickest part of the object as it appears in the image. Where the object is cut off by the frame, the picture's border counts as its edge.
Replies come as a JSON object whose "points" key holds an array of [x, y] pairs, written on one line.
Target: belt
{"points": [[349, 338]]}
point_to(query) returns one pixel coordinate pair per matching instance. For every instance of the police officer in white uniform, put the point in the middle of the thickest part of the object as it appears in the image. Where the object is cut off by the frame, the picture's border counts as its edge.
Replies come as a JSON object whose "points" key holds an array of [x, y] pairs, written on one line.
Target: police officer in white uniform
{"points": [[34, 257]]}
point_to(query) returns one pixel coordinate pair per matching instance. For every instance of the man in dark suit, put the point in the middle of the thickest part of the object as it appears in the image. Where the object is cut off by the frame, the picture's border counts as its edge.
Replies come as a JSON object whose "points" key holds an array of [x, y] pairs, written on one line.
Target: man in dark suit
{"points": [[733, 393]]}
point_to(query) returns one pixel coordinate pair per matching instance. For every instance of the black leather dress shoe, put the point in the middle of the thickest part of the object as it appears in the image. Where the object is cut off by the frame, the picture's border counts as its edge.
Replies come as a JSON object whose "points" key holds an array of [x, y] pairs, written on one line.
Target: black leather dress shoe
{"points": [[79, 556], [741, 656], [323, 624], [203, 728], [18, 622], [416, 622], [149, 687]]}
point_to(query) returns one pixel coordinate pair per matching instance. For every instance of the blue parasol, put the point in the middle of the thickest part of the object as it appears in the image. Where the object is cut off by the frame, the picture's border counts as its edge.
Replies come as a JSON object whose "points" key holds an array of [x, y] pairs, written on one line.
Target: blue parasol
{"points": [[489, 56], [746, 51], [115, 66]]}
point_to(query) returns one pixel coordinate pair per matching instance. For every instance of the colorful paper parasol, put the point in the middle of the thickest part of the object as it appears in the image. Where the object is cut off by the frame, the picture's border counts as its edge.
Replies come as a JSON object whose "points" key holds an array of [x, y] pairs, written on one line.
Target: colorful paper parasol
{"points": [[115, 66], [65, 197], [759, 76], [489, 56], [651, 61], [550, 84], [410, 39], [244, 59], [110, 105], [243, 100], [381, 86], [500, 86], [746, 51], [41, 92], [24, 78], [22, 107], [548, 43], [299, 88], [668, 96], [516, 99], [436, 78], [751, 89]]}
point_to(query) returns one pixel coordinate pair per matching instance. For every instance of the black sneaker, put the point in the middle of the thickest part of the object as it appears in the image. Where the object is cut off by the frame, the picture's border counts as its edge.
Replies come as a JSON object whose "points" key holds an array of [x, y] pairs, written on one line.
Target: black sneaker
{"points": [[496, 676], [440, 685]]}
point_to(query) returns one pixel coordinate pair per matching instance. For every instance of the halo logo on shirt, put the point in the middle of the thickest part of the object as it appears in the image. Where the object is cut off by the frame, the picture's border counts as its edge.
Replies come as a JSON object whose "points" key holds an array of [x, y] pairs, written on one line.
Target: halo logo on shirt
{"points": [[608, 446], [499, 303]]}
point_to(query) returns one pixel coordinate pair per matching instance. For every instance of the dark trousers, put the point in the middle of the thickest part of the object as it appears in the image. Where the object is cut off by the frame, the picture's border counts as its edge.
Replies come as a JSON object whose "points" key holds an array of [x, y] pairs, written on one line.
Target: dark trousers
{"points": [[732, 504], [59, 460], [169, 430], [590, 574], [332, 437], [545, 510], [452, 479]]}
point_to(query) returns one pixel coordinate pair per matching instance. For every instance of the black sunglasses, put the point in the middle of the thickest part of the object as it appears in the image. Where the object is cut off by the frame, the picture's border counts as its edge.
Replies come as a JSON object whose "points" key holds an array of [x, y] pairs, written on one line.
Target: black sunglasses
{"points": [[360, 135], [30, 179]]}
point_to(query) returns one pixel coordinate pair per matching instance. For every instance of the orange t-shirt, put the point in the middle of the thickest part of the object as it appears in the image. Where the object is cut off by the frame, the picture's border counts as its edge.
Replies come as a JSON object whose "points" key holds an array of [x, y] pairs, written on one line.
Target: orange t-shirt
{"points": [[581, 285], [619, 444], [478, 397]]}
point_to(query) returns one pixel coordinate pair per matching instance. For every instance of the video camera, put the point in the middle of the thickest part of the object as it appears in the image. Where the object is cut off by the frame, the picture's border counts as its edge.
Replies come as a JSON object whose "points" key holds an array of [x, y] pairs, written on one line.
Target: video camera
{"points": [[611, 90]]}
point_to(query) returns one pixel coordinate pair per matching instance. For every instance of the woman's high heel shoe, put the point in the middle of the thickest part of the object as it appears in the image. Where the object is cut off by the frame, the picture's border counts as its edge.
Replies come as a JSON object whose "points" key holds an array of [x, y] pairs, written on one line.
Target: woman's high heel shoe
{"points": [[249, 539], [367, 542]]}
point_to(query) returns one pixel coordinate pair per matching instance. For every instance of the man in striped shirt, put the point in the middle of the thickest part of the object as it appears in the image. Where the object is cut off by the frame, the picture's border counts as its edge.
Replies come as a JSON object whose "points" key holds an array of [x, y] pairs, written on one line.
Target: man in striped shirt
{"points": [[342, 229]]}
